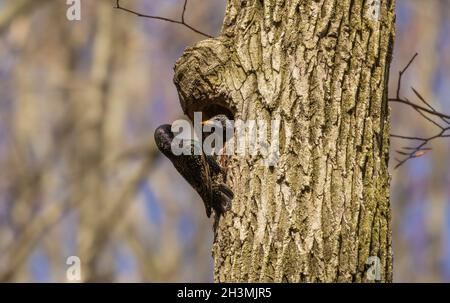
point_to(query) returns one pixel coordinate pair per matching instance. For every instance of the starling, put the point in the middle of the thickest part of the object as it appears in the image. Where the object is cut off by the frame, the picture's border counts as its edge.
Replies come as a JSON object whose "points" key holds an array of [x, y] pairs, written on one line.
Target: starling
{"points": [[200, 171]]}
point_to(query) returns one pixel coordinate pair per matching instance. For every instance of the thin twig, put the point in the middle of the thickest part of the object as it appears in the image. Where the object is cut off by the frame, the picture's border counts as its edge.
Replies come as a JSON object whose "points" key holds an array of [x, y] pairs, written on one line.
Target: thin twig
{"points": [[179, 22], [399, 85], [426, 103], [421, 149], [433, 112], [408, 137], [184, 10]]}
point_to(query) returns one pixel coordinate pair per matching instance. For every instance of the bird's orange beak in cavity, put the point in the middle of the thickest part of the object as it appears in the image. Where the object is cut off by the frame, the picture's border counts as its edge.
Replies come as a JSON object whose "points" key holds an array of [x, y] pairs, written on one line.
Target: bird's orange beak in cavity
{"points": [[208, 122]]}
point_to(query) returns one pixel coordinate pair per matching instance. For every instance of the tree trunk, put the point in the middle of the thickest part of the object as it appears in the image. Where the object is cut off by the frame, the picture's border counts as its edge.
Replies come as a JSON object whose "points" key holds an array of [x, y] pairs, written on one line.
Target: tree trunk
{"points": [[320, 67]]}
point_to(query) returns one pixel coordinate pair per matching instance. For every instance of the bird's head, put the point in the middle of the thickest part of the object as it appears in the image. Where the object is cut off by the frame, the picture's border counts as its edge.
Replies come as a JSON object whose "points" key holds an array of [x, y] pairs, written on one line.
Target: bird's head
{"points": [[219, 121], [163, 138]]}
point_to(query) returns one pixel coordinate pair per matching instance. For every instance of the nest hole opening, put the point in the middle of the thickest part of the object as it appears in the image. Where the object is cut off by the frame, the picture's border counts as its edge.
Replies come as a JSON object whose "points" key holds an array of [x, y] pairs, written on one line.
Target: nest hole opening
{"points": [[213, 110]]}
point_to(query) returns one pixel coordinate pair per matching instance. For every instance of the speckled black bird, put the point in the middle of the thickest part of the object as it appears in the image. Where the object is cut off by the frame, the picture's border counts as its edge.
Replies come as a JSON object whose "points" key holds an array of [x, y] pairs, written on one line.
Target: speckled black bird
{"points": [[200, 171]]}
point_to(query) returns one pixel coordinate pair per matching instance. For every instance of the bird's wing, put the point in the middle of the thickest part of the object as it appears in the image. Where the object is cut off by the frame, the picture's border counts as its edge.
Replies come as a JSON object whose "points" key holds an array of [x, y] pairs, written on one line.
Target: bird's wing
{"points": [[206, 177], [215, 168], [208, 183]]}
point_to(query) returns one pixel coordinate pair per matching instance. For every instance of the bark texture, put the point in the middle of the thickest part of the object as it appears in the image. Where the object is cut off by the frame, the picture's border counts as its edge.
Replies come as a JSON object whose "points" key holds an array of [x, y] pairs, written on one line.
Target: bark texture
{"points": [[321, 67]]}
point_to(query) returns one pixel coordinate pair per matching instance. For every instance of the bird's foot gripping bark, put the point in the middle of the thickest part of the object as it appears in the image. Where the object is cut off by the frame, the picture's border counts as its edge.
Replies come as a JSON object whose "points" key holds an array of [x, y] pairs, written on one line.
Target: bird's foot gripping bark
{"points": [[222, 197]]}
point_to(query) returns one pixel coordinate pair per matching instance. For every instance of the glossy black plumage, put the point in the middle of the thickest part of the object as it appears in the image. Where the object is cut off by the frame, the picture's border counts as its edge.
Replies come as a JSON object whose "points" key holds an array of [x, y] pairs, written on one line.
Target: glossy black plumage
{"points": [[200, 171]]}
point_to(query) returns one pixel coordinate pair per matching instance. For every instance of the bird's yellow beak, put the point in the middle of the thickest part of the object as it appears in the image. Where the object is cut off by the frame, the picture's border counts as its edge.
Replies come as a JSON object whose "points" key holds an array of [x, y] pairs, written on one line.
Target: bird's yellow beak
{"points": [[208, 123]]}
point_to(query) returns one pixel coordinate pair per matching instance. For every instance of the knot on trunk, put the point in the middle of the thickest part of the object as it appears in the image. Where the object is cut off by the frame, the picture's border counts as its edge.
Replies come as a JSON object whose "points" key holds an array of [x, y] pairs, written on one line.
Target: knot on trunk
{"points": [[200, 78]]}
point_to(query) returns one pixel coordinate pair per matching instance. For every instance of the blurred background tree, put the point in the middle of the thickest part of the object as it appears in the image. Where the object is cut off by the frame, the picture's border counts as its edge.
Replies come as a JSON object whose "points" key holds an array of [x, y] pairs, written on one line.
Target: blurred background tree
{"points": [[79, 172]]}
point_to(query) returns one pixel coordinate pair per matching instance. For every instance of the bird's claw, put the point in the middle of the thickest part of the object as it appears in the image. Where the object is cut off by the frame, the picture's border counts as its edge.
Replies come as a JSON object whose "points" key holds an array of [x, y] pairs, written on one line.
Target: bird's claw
{"points": [[222, 197]]}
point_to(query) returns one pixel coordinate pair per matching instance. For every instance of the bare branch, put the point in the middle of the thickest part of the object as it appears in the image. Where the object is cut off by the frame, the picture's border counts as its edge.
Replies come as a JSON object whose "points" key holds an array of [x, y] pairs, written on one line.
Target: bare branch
{"points": [[418, 151], [428, 112], [427, 104], [179, 22], [407, 137], [429, 119], [413, 105], [184, 10], [399, 86]]}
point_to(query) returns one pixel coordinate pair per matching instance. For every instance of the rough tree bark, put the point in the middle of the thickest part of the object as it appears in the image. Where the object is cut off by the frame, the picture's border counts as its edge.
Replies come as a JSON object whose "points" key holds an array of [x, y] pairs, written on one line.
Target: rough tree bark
{"points": [[321, 67]]}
